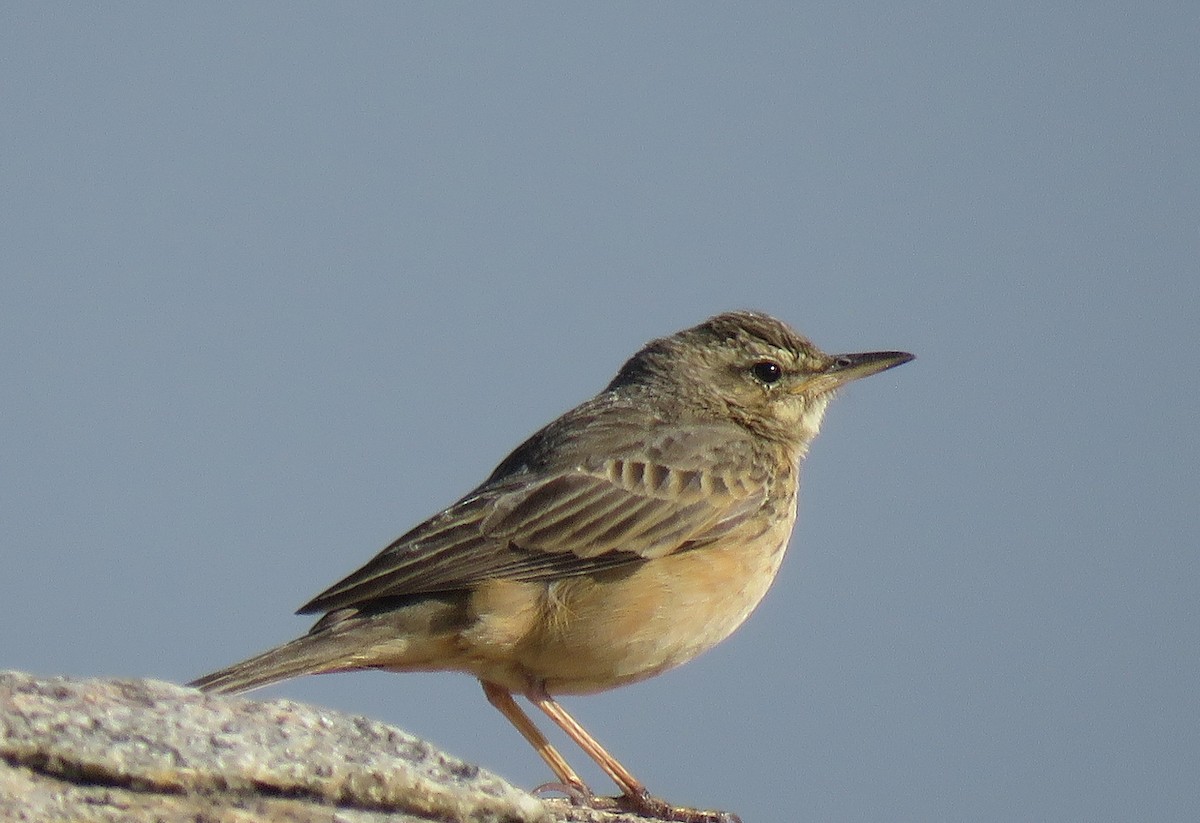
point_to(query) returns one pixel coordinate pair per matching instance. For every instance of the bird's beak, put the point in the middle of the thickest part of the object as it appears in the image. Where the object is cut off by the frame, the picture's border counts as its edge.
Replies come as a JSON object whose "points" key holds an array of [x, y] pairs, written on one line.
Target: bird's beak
{"points": [[843, 368]]}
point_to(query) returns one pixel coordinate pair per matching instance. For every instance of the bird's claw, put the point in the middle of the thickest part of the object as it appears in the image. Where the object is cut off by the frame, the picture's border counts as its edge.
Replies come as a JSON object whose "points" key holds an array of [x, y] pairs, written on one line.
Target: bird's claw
{"points": [[579, 795], [647, 805]]}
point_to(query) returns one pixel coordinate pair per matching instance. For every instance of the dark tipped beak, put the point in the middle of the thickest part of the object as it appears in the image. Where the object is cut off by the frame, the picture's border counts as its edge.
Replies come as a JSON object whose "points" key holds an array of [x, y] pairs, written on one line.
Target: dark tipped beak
{"points": [[847, 367], [843, 368]]}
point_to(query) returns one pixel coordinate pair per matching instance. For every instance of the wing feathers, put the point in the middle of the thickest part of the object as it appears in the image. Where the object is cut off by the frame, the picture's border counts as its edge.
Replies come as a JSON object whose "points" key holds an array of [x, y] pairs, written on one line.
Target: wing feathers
{"points": [[663, 497]]}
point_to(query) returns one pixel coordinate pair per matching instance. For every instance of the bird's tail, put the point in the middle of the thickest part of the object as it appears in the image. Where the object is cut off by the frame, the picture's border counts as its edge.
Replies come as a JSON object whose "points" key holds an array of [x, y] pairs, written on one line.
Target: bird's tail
{"points": [[311, 654], [416, 636]]}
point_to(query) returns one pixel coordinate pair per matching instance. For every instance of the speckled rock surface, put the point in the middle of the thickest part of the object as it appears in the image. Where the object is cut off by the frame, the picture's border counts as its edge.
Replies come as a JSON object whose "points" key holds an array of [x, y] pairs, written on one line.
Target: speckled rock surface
{"points": [[92, 750], [107, 750]]}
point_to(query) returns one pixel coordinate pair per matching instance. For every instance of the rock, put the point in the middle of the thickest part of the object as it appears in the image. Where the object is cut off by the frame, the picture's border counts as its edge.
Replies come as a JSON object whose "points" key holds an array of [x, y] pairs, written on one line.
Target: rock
{"points": [[143, 750]]}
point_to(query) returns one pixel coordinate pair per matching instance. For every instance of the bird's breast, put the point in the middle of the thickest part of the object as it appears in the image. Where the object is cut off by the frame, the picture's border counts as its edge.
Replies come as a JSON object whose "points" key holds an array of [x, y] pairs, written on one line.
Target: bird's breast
{"points": [[600, 631]]}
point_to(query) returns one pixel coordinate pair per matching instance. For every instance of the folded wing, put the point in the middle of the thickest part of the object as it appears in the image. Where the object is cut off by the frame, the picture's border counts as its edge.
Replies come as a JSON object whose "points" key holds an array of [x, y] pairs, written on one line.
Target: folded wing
{"points": [[658, 495]]}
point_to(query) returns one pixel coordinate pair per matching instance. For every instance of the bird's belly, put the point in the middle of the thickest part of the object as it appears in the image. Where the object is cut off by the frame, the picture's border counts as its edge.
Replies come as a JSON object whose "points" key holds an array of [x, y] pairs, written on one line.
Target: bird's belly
{"points": [[621, 626]]}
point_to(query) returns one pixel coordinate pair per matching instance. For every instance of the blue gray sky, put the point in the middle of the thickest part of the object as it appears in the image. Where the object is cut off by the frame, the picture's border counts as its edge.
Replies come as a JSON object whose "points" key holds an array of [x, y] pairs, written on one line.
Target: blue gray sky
{"points": [[281, 280]]}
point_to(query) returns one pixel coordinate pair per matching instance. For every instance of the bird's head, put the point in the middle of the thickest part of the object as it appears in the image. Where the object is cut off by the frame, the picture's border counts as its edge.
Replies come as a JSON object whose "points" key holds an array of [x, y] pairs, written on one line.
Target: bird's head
{"points": [[750, 368]]}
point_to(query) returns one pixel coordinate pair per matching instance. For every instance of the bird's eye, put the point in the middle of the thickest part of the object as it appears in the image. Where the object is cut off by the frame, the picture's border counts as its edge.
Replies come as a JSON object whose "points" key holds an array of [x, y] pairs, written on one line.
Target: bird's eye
{"points": [[767, 371]]}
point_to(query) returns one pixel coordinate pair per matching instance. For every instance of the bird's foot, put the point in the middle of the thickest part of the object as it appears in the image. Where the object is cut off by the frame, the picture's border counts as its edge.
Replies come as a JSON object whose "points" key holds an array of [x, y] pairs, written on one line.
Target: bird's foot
{"points": [[655, 808], [579, 795], [641, 803]]}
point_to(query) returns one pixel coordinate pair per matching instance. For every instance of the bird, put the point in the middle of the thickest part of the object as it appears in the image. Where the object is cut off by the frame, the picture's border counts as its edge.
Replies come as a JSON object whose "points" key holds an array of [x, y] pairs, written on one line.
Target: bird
{"points": [[619, 541]]}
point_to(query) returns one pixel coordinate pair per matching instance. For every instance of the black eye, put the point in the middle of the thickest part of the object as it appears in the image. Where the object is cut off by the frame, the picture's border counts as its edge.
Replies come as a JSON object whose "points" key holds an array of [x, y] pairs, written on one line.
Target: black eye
{"points": [[767, 371]]}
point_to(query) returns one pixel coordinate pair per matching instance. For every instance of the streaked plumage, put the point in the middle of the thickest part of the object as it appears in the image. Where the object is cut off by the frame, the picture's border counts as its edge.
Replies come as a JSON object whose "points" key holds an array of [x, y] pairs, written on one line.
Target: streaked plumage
{"points": [[624, 538]]}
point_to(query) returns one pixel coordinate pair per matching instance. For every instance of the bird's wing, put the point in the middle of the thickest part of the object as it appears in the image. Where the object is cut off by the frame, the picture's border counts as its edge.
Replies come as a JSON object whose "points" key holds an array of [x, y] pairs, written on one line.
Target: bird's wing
{"points": [[651, 496]]}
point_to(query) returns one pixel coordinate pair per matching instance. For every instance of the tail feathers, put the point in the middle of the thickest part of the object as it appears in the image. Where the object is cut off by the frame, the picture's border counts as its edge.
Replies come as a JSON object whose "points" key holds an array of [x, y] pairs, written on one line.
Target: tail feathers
{"points": [[311, 654], [420, 635]]}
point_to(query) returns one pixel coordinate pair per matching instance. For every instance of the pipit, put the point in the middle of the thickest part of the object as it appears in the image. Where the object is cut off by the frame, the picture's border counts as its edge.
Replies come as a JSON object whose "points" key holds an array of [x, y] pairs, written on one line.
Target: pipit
{"points": [[623, 539]]}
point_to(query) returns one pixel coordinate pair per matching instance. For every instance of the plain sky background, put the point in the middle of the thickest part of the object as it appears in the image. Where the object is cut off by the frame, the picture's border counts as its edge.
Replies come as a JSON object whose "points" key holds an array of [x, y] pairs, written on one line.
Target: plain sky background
{"points": [[281, 280]]}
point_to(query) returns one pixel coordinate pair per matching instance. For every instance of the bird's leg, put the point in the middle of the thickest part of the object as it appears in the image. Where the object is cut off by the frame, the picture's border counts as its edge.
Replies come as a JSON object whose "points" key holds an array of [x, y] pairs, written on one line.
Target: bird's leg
{"points": [[502, 699], [636, 796], [626, 782]]}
